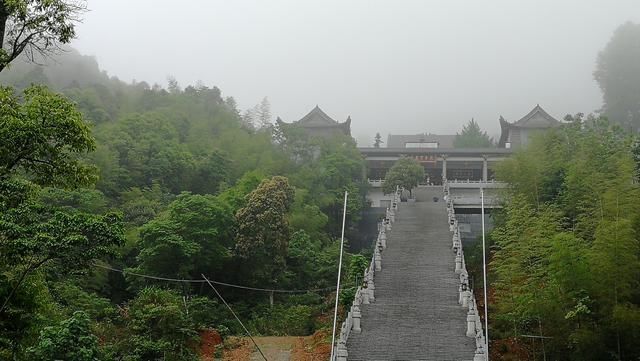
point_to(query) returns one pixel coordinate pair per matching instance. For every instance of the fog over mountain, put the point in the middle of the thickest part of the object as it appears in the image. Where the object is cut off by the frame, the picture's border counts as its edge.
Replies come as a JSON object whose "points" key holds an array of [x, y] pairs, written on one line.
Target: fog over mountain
{"points": [[395, 67]]}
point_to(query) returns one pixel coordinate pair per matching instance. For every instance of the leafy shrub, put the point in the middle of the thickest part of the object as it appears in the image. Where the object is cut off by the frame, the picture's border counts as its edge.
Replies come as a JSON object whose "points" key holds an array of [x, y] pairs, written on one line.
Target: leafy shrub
{"points": [[70, 340], [281, 320]]}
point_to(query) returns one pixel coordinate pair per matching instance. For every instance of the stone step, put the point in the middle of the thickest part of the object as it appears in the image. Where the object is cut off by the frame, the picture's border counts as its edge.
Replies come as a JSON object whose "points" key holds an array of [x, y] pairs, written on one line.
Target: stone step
{"points": [[416, 315]]}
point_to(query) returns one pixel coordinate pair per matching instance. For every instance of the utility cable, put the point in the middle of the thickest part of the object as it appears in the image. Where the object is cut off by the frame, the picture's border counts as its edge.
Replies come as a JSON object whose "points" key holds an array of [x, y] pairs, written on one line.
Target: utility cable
{"points": [[214, 282], [234, 315]]}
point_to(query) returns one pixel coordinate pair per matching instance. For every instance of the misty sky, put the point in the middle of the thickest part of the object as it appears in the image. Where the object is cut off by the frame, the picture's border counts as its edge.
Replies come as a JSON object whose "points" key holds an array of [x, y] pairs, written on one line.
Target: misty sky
{"points": [[394, 66]]}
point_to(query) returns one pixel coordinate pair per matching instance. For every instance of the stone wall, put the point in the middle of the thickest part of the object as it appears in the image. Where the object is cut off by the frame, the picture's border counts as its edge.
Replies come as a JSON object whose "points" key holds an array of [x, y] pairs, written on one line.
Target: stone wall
{"points": [[471, 226]]}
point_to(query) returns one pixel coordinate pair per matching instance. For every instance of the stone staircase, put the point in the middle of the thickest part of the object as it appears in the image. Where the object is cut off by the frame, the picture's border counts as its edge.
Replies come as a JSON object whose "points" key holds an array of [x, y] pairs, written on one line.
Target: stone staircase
{"points": [[416, 315]]}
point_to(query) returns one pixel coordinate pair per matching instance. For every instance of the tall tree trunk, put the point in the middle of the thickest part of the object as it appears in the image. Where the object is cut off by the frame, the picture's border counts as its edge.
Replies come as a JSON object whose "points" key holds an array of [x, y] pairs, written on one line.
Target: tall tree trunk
{"points": [[4, 16], [3, 25]]}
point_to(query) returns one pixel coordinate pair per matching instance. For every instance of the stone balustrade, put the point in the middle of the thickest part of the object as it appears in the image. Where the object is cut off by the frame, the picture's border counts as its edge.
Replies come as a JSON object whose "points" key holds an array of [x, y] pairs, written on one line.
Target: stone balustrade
{"points": [[376, 183], [365, 294], [467, 181], [466, 297]]}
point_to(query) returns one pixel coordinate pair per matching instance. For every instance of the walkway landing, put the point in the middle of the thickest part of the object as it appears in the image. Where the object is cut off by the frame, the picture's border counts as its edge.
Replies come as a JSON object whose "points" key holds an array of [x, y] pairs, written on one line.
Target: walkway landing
{"points": [[416, 315]]}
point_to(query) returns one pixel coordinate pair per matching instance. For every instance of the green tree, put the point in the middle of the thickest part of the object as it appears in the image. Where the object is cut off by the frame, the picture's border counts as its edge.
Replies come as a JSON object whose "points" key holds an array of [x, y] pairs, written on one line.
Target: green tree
{"points": [[36, 27], [307, 216], [566, 254], [377, 141], [405, 173], [41, 137], [263, 230], [140, 205], [71, 340], [42, 141], [193, 238], [263, 114], [158, 328], [472, 136], [618, 74], [84, 200], [35, 235]]}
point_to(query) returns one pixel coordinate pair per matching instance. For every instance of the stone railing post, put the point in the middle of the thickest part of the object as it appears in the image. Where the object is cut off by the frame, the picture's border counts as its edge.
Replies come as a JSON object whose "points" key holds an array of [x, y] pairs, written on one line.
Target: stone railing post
{"points": [[383, 238], [456, 246], [378, 260], [466, 294], [356, 319], [365, 295], [371, 287], [342, 354], [458, 262], [464, 278], [479, 356], [471, 324]]}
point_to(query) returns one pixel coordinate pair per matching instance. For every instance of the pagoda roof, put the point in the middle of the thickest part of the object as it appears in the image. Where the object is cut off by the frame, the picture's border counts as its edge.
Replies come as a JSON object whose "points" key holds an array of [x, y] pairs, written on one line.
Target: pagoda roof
{"points": [[536, 118], [317, 118]]}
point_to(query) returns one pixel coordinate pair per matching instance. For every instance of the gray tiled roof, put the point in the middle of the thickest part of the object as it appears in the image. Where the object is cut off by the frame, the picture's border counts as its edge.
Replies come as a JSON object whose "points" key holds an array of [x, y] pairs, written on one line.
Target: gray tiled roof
{"points": [[318, 123], [536, 118], [317, 118]]}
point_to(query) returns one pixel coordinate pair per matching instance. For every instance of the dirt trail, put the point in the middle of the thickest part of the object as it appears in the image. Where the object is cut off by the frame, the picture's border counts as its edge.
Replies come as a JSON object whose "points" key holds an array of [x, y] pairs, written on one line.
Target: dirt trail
{"points": [[288, 348]]}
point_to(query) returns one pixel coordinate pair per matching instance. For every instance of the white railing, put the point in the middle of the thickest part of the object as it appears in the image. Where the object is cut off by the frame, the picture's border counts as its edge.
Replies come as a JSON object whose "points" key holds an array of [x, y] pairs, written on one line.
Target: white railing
{"points": [[466, 297], [365, 294], [375, 182], [458, 181], [474, 184]]}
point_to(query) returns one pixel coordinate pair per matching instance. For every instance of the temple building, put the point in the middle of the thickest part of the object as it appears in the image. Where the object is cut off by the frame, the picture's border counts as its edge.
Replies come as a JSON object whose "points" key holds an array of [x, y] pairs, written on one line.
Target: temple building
{"points": [[318, 124], [518, 133], [469, 171], [440, 159]]}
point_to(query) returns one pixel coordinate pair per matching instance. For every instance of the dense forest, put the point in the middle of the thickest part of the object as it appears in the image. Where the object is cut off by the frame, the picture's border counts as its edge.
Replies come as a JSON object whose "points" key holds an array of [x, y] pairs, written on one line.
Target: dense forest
{"points": [[131, 181], [128, 209], [565, 261]]}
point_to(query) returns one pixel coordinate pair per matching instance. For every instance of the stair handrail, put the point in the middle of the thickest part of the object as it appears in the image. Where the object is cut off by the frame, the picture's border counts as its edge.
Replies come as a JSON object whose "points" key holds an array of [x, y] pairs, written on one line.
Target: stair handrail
{"points": [[466, 297], [365, 293]]}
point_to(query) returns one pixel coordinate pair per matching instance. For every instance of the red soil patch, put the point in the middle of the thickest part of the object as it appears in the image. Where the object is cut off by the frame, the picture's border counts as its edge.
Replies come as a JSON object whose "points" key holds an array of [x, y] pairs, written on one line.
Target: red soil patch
{"points": [[312, 348], [209, 340], [309, 348]]}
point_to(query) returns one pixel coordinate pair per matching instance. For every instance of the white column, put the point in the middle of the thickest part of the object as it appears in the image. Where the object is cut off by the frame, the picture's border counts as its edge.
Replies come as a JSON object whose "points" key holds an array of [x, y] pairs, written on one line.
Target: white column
{"points": [[484, 169], [444, 167]]}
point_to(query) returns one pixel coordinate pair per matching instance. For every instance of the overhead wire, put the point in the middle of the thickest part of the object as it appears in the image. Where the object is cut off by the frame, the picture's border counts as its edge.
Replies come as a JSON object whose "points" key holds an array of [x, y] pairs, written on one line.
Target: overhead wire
{"points": [[158, 278], [234, 315]]}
